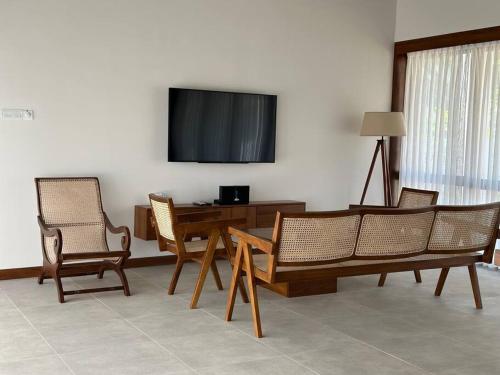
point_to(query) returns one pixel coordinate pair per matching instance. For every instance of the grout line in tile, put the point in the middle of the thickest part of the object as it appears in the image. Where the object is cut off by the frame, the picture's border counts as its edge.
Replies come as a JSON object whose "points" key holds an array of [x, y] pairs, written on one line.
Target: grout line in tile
{"points": [[284, 306], [147, 280], [28, 358], [43, 337], [257, 360], [378, 349], [145, 334], [353, 338], [281, 354]]}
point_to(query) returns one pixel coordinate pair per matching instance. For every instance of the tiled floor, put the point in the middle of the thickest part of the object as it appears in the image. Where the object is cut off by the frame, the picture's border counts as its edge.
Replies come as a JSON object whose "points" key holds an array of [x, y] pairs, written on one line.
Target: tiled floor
{"points": [[399, 329]]}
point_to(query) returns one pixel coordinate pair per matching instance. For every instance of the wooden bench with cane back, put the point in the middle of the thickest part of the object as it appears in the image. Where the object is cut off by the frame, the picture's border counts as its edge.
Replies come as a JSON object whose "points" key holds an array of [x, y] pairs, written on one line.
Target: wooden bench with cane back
{"points": [[363, 241]]}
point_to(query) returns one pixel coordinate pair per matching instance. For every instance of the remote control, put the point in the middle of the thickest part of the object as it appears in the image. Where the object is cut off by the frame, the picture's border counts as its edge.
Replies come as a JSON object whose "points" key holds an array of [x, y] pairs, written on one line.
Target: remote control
{"points": [[202, 203]]}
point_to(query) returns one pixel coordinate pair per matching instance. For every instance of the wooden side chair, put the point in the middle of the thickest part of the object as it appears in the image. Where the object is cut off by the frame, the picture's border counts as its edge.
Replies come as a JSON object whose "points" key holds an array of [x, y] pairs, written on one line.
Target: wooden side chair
{"points": [[417, 198], [175, 231], [73, 233], [409, 198]]}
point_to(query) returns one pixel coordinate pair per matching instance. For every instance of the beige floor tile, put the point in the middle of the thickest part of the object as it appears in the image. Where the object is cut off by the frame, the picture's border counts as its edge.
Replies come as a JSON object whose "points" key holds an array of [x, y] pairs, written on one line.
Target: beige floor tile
{"points": [[23, 344], [46, 365], [131, 357]]}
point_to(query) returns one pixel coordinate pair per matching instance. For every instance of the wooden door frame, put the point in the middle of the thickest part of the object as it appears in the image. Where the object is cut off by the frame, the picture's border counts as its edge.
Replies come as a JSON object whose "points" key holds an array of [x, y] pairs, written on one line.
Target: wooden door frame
{"points": [[401, 50]]}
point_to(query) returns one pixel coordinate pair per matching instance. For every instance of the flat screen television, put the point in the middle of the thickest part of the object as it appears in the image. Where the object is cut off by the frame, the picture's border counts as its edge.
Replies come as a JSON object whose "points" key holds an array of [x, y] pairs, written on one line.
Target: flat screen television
{"points": [[221, 127]]}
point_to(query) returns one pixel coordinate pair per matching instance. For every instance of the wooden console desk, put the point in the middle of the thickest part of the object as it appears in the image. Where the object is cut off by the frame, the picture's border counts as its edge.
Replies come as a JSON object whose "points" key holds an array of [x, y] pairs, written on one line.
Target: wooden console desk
{"points": [[258, 214]]}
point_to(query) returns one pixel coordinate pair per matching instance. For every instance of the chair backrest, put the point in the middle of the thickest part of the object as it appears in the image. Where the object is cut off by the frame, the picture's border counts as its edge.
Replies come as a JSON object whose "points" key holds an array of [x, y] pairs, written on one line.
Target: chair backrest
{"points": [[72, 204], [164, 216], [314, 238], [416, 198], [459, 229], [393, 233], [317, 238]]}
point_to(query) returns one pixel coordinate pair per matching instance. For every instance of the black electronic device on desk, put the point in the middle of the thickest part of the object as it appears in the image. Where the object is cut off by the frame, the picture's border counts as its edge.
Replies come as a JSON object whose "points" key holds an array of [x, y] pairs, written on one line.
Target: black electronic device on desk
{"points": [[233, 195]]}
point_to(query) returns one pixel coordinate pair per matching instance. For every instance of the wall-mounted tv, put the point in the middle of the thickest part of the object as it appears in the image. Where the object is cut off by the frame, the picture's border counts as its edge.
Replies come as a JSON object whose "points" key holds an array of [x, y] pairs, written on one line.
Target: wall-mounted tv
{"points": [[221, 127]]}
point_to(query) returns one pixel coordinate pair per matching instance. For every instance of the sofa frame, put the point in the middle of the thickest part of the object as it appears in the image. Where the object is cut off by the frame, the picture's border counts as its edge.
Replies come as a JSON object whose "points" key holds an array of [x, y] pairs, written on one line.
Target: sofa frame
{"points": [[272, 277]]}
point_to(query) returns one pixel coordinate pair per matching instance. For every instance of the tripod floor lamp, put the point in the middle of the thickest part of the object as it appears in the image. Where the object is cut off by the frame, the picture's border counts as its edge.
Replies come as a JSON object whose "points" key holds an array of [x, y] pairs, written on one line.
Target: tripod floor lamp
{"points": [[382, 124]]}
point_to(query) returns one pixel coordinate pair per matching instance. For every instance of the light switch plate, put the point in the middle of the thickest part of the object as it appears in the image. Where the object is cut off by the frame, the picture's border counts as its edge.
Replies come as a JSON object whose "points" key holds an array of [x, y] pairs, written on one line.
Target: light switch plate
{"points": [[17, 114]]}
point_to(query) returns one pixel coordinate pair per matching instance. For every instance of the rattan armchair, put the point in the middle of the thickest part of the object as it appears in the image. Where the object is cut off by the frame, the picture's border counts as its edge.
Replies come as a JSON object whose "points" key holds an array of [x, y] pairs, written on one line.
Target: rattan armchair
{"points": [[175, 232], [73, 233], [409, 198]]}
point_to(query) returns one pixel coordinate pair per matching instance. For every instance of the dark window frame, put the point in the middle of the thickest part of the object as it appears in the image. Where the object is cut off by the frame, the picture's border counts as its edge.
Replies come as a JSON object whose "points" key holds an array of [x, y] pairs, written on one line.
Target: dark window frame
{"points": [[401, 50]]}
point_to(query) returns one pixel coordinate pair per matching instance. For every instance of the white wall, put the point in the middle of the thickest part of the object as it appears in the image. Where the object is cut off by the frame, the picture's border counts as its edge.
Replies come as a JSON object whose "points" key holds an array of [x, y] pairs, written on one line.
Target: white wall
{"points": [[422, 18], [97, 75]]}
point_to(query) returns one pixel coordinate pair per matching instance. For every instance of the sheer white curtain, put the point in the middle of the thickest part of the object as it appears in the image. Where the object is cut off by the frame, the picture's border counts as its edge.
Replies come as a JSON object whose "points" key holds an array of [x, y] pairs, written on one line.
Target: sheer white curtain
{"points": [[452, 112]]}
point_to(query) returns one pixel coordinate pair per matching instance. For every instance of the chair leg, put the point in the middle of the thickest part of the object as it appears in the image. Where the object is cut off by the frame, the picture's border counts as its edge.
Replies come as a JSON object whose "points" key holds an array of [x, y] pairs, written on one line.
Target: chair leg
{"points": [[215, 272], [243, 290], [228, 243], [123, 279], [175, 277], [252, 289], [235, 280], [381, 281], [475, 286], [41, 277], [205, 265], [442, 279], [418, 276], [100, 275], [60, 291]]}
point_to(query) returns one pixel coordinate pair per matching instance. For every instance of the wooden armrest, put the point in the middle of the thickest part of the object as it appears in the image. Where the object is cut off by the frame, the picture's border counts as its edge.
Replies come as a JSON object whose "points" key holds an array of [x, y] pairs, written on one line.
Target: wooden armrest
{"points": [[198, 216], [260, 243], [352, 206], [48, 232], [117, 230], [51, 232], [121, 229], [96, 254], [204, 226]]}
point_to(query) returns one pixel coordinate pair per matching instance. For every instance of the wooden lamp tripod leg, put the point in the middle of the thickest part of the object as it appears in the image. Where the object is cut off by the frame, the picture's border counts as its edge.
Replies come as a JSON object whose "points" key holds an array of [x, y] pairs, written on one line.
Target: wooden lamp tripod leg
{"points": [[370, 171], [387, 190], [385, 173]]}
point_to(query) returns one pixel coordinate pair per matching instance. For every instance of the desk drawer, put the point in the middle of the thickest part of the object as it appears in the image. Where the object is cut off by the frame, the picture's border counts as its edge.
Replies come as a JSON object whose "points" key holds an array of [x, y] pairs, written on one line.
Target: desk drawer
{"points": [[246, 212], [266, 215]]}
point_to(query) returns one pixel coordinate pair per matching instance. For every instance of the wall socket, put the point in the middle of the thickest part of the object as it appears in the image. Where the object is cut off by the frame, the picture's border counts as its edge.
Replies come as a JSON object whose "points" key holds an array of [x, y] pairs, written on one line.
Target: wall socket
{"points": [[17, 114]]}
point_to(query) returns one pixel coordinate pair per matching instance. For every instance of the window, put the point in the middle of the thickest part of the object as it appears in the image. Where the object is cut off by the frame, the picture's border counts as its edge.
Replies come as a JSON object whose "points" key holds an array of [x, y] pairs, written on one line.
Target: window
{"points": [[452, 100]]}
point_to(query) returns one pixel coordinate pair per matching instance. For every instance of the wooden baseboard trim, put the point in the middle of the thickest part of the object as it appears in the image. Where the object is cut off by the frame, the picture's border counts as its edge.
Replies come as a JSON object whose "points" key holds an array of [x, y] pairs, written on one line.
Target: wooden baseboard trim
{"points": [[150, 261], [20, 273]]}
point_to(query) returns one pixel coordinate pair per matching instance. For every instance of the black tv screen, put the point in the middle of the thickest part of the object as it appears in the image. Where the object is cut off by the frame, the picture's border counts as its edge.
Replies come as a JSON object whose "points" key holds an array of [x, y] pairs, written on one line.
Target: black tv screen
{"points": [[221, 127]]}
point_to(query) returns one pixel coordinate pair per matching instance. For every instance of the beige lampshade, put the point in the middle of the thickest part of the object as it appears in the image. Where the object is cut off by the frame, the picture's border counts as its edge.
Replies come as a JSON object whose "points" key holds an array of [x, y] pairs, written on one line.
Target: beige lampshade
{"points": [[390, 124]]}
